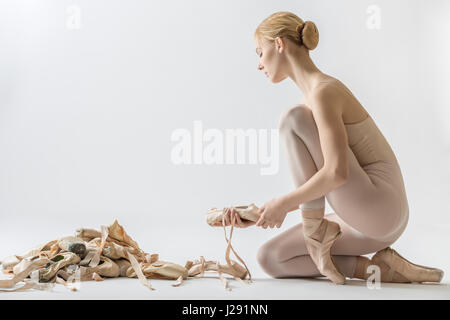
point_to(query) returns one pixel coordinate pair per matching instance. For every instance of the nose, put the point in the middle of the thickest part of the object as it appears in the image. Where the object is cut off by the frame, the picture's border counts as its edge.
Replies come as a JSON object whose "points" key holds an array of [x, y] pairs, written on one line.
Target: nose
{"points": [[260, 67]]}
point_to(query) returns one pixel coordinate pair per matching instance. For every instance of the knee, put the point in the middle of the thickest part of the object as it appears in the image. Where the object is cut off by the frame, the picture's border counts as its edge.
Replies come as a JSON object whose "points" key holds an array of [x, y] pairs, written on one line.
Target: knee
{"points": [[266, 257], [298, 116]]}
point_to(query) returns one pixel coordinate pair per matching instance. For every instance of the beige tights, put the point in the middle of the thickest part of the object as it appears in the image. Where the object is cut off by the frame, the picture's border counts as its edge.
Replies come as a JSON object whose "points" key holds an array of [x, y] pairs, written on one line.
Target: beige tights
{"points": [[365, 207]]}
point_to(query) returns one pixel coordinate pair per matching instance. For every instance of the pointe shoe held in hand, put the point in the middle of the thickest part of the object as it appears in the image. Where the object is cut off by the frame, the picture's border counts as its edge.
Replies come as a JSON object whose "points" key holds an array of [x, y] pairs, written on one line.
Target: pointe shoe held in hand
{"points": [[250, 213], [390, 258], [320, 251], [216, 217]]}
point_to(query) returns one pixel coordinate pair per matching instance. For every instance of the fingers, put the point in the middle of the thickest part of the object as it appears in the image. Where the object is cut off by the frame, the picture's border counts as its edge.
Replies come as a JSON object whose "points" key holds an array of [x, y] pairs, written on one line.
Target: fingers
{"points": [[231, 216], [227, 217], [238, 220], [243, 224], [265, 224], [234, 216], [260, 210], [270, 225]]}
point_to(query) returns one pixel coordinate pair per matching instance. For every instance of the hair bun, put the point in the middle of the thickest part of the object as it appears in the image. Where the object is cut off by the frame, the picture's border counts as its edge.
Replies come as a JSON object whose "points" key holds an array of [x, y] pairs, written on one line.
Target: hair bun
{"points": [[309, 35]]}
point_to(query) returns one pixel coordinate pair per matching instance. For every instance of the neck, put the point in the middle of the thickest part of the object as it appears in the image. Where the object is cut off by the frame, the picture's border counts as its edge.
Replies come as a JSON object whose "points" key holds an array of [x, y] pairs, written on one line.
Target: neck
{"points": [[303, 71]]}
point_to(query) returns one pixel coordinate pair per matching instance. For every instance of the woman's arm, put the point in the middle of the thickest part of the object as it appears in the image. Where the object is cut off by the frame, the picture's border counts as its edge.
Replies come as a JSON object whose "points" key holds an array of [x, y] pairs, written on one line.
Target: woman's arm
{"points": [[327, 106], [322, 182]]}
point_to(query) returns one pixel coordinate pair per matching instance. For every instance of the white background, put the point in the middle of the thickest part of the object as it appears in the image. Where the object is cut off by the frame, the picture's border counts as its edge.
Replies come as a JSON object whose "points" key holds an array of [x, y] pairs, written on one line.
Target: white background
{"points": [[86, 116]]}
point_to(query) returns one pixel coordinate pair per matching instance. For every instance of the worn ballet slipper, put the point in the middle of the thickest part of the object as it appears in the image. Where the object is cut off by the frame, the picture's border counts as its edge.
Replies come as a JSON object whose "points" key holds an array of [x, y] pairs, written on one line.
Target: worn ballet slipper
{"points": [[160, 270], [200, 266], [9, 262], [73, 244], [216, 217], [150, 258], [250, 212], [392, 262], [90, 252], [236, 270], [188, 264], [89, 274], [165, 270], [23, 269], [106, 268], [124, 265], [319, 250], [111, 250], [56, 263], [114, 251], [94, 243], [87, 234], [116, 231], [26, 262], [313, 225], [97, 277], [38, 249], [362, 263], [69, 273], [362, 271], [63, 273], [62, 261]]}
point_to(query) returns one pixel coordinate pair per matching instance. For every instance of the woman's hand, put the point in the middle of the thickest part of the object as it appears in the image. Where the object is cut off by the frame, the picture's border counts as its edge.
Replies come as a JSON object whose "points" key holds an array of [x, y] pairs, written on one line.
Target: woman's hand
{"points": [[230, 215], [272, 213]]}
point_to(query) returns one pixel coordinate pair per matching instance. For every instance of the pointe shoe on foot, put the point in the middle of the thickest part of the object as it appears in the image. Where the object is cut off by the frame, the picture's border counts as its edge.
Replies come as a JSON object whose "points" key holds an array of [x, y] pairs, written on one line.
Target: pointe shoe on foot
{"points": [[396, 263], [320, 251], [387, 274]]}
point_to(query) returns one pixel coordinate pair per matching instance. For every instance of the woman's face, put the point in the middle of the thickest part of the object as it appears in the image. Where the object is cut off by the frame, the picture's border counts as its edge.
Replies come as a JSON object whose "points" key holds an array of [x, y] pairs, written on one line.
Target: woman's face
{"points": [[270, 60]]}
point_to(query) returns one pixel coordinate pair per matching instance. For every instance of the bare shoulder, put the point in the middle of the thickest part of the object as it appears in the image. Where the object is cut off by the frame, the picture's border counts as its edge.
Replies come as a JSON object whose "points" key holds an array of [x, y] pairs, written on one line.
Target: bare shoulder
{"points": [[330, 87], [327, 95], [335, 96], [320, 91]]}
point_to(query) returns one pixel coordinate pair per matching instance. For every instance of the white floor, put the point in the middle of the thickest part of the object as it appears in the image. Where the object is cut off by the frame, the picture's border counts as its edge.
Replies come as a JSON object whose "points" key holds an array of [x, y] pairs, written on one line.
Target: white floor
{"points": [[427, 249], [211, 288]]}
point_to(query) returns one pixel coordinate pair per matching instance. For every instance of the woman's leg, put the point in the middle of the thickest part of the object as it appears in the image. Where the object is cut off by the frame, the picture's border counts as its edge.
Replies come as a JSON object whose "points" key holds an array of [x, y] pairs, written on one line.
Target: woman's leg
{"points": [[366, 203], [304, 160], [286, 255]]}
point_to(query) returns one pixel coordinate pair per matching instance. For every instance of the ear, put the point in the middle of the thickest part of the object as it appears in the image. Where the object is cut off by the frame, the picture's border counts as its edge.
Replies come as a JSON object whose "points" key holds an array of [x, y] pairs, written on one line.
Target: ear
{"points": [[279, 44]]}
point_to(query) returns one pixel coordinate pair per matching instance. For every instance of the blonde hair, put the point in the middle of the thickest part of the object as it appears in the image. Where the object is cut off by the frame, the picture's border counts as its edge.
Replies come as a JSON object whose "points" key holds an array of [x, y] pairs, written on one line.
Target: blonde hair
{"points": [[288, 25]]}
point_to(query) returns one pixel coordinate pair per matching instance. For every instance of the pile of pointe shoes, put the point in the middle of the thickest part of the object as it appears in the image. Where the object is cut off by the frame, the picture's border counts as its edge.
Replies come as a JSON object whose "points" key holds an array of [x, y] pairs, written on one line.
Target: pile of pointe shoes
{"points": [[107, 253]]}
